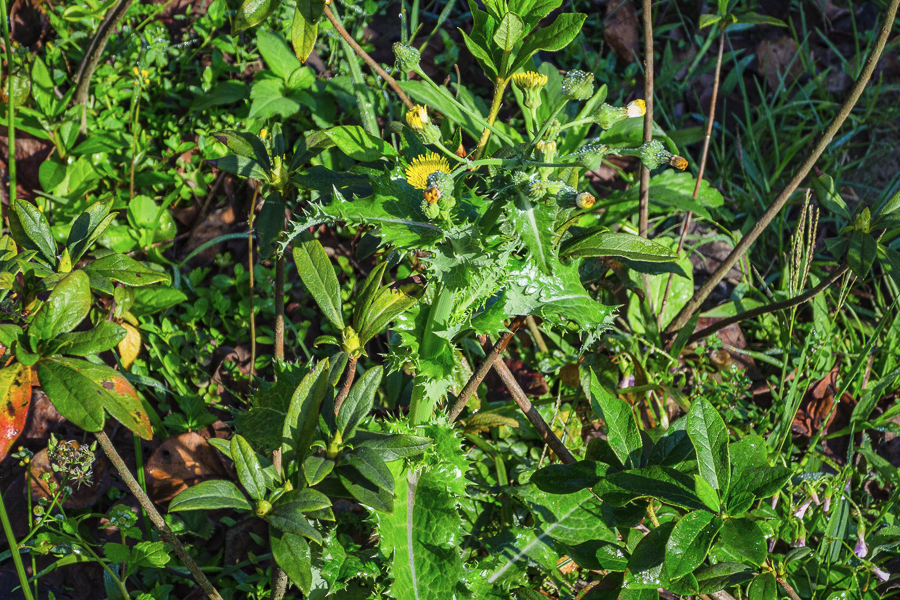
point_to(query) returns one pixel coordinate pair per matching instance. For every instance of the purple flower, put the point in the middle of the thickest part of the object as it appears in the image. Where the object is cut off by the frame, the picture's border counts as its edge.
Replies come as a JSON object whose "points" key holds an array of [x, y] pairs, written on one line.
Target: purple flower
{"points": [[774, 501], [881, 575], [802, 510], [861, 550], [827, 506]]}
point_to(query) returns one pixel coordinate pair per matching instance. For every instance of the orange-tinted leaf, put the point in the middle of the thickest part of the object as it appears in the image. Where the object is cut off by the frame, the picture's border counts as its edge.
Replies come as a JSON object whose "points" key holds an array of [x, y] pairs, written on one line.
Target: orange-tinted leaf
{"points": [[130, 347], [15, 395]]}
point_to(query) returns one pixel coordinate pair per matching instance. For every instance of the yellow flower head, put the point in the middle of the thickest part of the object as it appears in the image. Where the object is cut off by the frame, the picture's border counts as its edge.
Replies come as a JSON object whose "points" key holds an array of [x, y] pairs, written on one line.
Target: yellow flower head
{"points": [[135, 70], [144, 73], [529, 80], [417, 117], [679, 162], [422, 166], [636, 108], [262, 133]]}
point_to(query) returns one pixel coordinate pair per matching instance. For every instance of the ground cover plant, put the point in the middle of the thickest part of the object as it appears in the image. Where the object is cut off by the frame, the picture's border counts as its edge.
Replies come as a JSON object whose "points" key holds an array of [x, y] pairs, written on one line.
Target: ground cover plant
{"points": [[450, 300]]}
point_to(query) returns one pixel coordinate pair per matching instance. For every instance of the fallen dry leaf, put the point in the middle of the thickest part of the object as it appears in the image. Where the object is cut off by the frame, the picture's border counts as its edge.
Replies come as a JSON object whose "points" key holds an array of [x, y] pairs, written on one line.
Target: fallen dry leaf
{"points": [[83, 496], [180, 462]]}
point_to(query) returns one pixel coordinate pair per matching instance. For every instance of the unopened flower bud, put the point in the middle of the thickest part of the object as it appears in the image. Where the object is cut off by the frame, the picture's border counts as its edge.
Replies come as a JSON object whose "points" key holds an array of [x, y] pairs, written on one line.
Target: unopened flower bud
{"points": [[607, 115], [591, 155], [431, 210], [653, 154], [440, 190], [566, 196], [417, 117], [578, 85], [585, 200], [803, 507], [531, 84], [553, 131], [407, 57], [547, 151]]}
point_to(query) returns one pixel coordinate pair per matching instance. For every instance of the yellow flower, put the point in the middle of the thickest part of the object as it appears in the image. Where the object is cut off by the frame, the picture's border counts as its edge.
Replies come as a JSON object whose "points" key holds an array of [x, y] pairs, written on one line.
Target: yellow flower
{"points": [[144, 73], [422, 166], [135, 70], [262, 133], [146, 82], [636, 108], [529, 80], [417, 117], [679, 162]]}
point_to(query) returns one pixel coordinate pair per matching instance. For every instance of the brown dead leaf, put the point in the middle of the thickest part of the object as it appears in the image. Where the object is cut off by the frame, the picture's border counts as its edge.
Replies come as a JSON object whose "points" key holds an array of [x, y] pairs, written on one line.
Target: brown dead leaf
{"points": [[813, 415], [620, 29], [778, 59], [83, 496], [180, 462]]}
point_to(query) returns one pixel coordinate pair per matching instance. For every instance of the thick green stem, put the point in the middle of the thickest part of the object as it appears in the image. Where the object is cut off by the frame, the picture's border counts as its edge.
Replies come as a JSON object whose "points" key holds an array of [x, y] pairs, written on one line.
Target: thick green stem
{"points": [[154, 515], [496, 103], [420, 406], [10, 106], [7, 527]]}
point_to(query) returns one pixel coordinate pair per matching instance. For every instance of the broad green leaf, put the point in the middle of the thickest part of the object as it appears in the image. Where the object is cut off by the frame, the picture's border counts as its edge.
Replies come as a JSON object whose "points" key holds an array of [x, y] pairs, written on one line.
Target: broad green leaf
{"points": [[105, 336], [551, 38], [253, 12], [828, 196], [241, 166], [606, 243], [152, 299], [861, 253], [664, 483], [707, 20], [672, 450], [300, 420], [422, 536], [289, 518], [318, 277], [645, 567], [710, 438], [67, 306], [723, 575], [358, 144], [568, 479], [481, 54], [312, 10], [248, 469], [210, 495], [762, 482], [270, 224], [365, 296], [747, 453], [81, 388], [262, 425], [366, 492], [763, 587], [392, 447], [245, 144], [126, 270], [297, 502], [304, 33], [623, 434], [569, 519], [275, 98], [316, 468], [509, 32], [277, 55], [30, 228], [533, 224], [370, 465], [670, 189], [87, 227], [743, 539], [689, 542], [15, 396], [151, 555], [291, 552], [388, 303], [358, 402], [707, 494]]}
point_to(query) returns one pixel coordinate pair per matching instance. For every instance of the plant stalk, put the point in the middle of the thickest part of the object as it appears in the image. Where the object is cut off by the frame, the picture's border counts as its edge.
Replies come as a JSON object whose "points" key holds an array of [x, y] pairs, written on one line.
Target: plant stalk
{"points": [[10, 106], [703, 156], [769, 308], [760, 225], [346, 385], [496, 103], [644, 199], [475, 380], [368, 59], [154, 515], [279, 308], [7, 527], [250, 265], [531, 412]]}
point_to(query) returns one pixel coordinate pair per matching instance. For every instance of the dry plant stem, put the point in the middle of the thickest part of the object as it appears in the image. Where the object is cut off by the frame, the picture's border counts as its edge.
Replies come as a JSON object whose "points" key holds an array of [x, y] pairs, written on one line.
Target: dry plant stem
{"points": [[10, 107], [787, 588], [536, 334], [345, 386], [475, 380], [703, 156], [95, 50], [279, 308], [769, 308], [154, 515], [700, 295], [643, 202], [531, 412], [368, 59]]}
